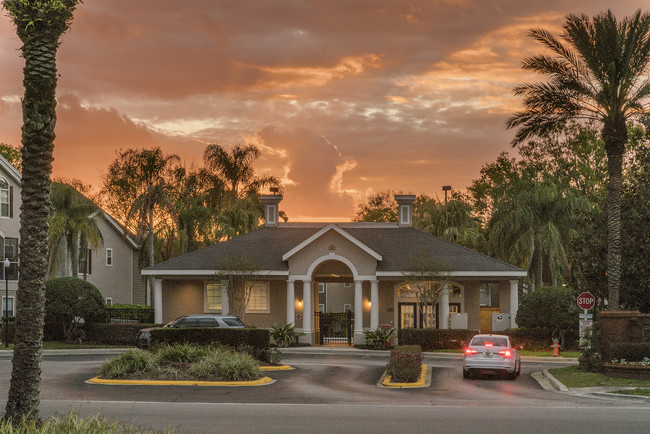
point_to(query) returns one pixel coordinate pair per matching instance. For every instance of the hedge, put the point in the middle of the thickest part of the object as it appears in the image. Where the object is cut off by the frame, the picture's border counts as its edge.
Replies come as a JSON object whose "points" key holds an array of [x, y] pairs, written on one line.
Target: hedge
{"points": [[405, 364], [254, 341], [630, 351], [435, 339], [113, 334], [538, 339]]}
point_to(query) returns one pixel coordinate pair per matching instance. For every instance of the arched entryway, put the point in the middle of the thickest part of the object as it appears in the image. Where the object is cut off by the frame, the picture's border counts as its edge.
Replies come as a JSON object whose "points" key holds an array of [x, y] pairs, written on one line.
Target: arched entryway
{"points": [[334, 303]]}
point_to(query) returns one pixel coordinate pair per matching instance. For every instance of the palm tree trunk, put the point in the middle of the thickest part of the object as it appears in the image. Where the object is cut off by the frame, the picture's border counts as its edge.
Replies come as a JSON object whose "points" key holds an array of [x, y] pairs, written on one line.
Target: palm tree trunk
{"points": [[74, 255], [539, 260], [39, 117], [151, 255], [614, 194]]}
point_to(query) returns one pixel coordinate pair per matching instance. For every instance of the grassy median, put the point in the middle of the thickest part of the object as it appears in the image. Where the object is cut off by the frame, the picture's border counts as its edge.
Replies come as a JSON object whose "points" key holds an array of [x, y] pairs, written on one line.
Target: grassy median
{"points": [[572, 376]]}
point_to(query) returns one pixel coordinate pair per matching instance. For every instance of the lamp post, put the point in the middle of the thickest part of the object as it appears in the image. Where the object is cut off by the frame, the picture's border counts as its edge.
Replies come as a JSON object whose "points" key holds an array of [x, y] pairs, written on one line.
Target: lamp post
{"points": [[7, 264]]}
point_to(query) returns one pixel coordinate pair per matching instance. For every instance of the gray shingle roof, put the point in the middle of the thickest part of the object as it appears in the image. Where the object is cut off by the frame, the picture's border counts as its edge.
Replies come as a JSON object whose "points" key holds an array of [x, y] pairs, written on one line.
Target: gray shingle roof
{"points": [[266, 245]]}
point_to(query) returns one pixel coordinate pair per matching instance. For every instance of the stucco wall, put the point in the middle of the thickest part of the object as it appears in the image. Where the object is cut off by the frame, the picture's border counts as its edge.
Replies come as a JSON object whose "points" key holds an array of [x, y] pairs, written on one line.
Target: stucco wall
{"points": [[181, 297], [472, 304], [10, 228]]}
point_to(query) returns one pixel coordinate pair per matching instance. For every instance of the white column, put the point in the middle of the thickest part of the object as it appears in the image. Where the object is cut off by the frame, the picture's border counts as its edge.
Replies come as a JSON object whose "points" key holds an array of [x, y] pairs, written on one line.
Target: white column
{"points": [[444, 306], [514, 302], [358, 313], [374, 304], [157, 300], [306, 310], [225, 301], [291, 303]]}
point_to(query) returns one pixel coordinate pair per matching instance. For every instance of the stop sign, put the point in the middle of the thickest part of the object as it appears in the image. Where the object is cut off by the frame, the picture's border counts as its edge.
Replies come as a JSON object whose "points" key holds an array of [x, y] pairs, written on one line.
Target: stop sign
{"points": [[586, 300]]}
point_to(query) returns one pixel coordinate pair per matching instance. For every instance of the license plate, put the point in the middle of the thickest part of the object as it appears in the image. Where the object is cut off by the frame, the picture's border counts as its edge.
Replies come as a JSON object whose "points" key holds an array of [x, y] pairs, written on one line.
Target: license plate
{"points": [[487, 354]]}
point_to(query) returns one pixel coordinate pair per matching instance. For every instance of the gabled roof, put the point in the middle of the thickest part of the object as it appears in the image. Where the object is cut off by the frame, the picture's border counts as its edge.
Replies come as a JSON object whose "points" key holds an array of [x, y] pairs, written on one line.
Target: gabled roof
{"points": [[331, 227], [271, 247], [10, 170]]}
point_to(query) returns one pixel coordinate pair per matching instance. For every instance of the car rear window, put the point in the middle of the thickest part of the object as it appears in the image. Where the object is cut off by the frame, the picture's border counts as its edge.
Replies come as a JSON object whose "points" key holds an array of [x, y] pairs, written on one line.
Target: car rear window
{"points": [[233, 322], [496, 342]]}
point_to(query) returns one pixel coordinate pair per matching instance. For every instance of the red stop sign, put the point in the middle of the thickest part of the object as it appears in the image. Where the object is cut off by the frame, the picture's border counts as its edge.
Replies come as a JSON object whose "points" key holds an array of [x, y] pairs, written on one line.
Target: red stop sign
{"points": [[586, 300]]}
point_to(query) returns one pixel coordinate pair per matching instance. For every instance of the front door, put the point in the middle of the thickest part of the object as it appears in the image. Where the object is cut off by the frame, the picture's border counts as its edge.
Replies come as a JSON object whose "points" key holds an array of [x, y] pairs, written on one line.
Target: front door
{"points": [[406, 314]]}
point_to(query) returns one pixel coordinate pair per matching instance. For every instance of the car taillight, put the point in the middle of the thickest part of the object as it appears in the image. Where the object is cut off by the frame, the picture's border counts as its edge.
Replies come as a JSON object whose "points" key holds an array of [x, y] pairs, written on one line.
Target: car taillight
{"points": [[505, 353], [488, 345], [470, 351]]}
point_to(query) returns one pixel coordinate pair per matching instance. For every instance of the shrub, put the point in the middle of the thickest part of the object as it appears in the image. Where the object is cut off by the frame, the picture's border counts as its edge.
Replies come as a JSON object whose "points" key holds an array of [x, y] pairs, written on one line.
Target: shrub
{"points": [[71, 423], [180, 353], [435, 339], [591, 358], [405, 364], [225, 365], [378, 338], [284, 335], [552, 307], [630, 351], [257, 339], [133, 362], [70, 301]]}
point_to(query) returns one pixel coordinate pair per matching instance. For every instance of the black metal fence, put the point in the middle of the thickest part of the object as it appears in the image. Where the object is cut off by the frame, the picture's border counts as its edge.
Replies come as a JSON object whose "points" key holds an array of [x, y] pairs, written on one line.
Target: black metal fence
{"points": [[123, 316], [334, 327]]}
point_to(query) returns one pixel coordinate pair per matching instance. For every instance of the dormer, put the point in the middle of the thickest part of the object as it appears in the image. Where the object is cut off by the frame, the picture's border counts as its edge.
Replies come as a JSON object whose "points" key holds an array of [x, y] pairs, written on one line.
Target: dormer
{"points": [[271, 208], [405, 208]]}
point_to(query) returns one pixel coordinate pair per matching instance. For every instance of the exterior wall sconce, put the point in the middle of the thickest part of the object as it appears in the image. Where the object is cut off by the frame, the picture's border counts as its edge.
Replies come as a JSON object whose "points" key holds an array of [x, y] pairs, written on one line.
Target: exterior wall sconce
{"points": [[300, 303]]}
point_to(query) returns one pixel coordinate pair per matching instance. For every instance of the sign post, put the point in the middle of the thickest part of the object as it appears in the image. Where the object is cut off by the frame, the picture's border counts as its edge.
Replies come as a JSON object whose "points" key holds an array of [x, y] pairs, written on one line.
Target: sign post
{"points": [[586, 301]]}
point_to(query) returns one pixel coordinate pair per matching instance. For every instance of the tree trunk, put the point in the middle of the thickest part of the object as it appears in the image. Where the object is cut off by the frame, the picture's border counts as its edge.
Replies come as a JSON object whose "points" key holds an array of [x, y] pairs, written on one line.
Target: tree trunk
{"points": [[38, 135], [614, 194], [74, 255], [539, 262], [151, 252]]}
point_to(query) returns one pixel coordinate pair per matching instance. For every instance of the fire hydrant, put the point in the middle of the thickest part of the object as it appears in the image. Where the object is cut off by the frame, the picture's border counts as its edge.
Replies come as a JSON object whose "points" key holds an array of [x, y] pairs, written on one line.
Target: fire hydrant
{"points": [[556, 348]]}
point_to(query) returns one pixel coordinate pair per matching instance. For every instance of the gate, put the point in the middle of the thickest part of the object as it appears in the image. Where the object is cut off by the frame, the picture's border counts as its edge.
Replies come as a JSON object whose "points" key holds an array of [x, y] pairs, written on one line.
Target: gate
{"points": [[334, 328]]}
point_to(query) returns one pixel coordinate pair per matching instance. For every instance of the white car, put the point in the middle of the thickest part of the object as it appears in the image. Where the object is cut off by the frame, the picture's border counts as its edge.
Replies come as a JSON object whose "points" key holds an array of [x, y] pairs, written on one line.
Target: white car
{"points": [[491, 354]]}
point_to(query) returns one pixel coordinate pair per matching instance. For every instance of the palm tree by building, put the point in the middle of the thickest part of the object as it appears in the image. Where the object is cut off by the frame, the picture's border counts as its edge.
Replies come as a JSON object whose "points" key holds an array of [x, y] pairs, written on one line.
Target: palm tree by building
{"points": [[73, 228], [39, 26], [598, 72]]}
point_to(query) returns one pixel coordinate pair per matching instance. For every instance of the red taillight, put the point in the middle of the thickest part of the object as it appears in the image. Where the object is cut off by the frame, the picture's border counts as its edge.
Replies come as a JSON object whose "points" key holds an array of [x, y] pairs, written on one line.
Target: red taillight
{"points": [[470, 351], [505, 353]]}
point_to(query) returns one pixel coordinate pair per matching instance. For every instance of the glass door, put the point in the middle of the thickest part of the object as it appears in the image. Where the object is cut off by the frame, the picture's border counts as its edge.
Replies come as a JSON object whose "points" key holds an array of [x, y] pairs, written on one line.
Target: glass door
{"points": [[406, 313]]}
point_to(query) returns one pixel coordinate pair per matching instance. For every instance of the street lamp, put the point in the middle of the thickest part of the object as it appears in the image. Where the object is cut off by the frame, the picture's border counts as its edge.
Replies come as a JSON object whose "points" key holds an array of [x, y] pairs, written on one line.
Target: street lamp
{"points": [[7, 264]]}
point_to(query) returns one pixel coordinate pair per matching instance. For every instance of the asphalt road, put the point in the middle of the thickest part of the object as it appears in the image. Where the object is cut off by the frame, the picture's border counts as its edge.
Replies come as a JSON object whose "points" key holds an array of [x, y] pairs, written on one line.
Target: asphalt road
{"points": [[338, 393]]}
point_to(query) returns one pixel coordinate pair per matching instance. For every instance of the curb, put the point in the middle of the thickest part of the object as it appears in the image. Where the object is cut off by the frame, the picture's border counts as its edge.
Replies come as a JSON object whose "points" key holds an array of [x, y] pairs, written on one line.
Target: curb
{"points": [[261, 382], [557, 384], [423, 381], [277, 368]]}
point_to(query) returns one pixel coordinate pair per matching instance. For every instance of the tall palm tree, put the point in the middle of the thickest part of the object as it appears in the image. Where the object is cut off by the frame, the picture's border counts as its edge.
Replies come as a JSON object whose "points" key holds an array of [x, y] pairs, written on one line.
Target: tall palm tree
{"points": [[39, 25], [598, 72], [236, 169], [452, 221], [73, 221]]}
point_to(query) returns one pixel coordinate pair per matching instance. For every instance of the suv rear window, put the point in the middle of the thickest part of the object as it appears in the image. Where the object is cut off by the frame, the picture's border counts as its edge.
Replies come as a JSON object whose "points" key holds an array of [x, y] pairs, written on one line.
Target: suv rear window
{"points": [[233, 322]]}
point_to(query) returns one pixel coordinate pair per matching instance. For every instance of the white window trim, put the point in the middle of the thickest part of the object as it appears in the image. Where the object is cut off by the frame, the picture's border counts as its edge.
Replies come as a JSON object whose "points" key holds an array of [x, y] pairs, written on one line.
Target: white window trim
{"points": [[8, 190], [347, 307], [347, 285], [205, 297], [109, 301], [321, 287], [13, 306], [108, 249], [268, 300], [321, 307]]}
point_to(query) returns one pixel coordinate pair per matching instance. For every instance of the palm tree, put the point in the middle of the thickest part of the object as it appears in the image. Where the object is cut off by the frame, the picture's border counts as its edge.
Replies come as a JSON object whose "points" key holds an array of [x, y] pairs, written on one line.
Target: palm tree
{"points": [[73, 225], [530, 226], [598, 73], [452, 221], [39, 26], [137, 182], [236, 169]]}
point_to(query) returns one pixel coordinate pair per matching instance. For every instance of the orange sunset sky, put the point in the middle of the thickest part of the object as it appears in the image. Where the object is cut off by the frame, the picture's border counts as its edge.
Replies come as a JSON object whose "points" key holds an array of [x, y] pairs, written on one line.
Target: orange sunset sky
{"points": [[344, 98]]}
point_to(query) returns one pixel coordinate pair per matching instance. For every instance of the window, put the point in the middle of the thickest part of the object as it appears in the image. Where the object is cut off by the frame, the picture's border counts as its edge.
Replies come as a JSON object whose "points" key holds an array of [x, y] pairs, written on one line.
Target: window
{"points": [[259, 301], [109, 301], [10, 249], [4, 198], [489, 294], [321, 308], [86, 261], [347, 307], [347, 285], [109, 257], [4, 306], [213, 297], [321, 287]]}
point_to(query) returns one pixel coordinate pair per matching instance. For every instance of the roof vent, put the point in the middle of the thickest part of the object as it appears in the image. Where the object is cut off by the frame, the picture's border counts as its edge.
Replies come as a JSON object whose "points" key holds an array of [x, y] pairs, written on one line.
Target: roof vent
{"points": [[271, 208], [405, 208]]}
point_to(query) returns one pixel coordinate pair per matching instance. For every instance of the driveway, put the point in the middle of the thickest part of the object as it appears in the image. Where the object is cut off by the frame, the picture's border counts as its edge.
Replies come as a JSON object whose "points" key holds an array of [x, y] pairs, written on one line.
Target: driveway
{"points": [[338, 393]]}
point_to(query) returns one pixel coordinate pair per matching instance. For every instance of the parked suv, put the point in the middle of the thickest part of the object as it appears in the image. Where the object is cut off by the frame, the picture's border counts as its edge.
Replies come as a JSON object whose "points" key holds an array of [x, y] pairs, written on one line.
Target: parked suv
{"points": [[185, 321]]}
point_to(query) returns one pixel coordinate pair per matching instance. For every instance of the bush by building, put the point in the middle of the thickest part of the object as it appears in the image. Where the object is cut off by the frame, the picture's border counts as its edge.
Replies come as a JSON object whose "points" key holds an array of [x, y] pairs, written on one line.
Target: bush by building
{"points": [[405, 364]]}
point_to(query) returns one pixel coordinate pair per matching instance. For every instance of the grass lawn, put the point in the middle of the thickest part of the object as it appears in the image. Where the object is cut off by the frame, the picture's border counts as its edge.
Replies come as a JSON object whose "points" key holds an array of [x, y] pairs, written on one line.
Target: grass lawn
{"points": [[637, 391], [574, 354], [574, 377]]}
